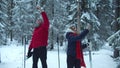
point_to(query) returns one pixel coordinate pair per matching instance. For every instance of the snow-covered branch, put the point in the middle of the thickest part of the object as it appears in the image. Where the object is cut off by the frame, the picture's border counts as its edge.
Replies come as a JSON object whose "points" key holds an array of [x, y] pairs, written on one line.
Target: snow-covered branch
{"points": [[114, 39]]}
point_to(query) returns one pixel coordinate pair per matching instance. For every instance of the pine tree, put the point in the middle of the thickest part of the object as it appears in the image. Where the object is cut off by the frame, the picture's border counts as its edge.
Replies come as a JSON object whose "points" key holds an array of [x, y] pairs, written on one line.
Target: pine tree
{"points": [[115, 38], [3, 21]]}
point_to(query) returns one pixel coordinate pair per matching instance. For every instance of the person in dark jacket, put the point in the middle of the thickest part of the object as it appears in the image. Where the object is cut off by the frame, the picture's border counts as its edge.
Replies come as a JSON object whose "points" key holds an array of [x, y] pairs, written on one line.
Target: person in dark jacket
{"points": [[74, 50], [39, 41]]}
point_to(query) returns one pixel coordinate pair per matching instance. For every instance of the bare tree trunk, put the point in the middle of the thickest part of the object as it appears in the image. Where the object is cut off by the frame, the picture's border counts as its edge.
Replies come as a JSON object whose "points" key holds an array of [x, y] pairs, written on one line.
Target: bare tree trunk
{"points": [[52, 40], [52, 45], [117, 25], [78, 17], [11, 35], [10, 7], [116, 53], [117, 14], [52, 30], [0, 57]]}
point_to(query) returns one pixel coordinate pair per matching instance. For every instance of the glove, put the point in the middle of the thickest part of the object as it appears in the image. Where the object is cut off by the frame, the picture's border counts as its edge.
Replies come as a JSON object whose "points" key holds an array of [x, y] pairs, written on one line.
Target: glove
{"points": [[29, 54], [85, 45], [88, 26], [39, 8]]}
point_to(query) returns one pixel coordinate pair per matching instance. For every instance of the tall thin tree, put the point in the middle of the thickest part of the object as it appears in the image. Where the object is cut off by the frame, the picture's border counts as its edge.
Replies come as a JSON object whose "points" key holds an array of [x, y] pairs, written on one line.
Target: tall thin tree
{"points": [[117, 14], [78, 16], [10, 14]]}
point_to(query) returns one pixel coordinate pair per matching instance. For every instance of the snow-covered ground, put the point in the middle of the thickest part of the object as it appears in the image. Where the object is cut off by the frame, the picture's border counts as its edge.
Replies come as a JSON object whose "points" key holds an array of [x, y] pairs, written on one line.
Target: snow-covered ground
{"points": [[12, 57]]}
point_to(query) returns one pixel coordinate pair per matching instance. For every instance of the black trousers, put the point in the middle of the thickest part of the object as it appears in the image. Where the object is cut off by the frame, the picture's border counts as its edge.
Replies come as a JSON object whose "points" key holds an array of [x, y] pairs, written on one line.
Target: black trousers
{"points": [[41, 53], [73, 62]]}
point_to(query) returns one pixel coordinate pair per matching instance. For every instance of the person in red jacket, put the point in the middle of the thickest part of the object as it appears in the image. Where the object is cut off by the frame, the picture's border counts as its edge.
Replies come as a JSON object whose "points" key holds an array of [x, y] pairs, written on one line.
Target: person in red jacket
{"points": [[39, 41], [75, 57]]}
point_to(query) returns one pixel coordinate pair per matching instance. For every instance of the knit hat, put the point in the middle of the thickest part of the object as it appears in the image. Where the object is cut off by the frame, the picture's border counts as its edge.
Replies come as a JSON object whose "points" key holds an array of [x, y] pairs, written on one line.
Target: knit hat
{"points": [[73, 27], [70, 28]]}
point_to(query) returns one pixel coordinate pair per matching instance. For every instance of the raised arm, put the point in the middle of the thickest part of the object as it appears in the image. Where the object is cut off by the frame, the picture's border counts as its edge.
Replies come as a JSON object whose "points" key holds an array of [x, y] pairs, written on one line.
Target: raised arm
{"points": [[45, 20], [44, 16], [71, 37]]}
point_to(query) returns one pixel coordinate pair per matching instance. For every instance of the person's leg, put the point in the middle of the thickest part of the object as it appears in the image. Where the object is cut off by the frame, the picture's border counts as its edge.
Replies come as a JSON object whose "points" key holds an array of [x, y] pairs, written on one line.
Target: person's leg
{"points": [[77, 63], [70, 61], [35, 59], [43, 57]]}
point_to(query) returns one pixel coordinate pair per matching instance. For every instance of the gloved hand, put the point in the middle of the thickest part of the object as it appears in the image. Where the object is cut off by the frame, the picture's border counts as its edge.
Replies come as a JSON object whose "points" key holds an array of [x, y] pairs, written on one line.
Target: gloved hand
{"points": [[85, 45], [88, 26], [29, 54], [39, 8]]}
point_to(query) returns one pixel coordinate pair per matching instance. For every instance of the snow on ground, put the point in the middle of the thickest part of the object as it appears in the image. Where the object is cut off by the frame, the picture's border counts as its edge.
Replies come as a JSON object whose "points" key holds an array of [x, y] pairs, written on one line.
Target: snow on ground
{"points": [[101, 59], [12, 57]]}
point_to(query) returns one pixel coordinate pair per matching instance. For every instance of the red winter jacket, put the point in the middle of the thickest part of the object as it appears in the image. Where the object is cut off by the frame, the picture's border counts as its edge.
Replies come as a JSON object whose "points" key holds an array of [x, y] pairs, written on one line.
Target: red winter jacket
{"points": [[40, 34]]}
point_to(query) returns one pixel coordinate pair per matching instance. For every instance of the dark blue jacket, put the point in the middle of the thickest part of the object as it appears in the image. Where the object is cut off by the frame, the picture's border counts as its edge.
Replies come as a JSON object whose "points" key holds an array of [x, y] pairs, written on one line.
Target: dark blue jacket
{"points": [[71, 50]]}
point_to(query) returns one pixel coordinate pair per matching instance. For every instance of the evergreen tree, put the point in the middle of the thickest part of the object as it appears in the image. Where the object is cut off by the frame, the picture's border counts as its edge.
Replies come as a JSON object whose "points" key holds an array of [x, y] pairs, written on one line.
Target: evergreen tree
{"points": [[105, 16], [115, 37], [17, 18], [3, 21]]}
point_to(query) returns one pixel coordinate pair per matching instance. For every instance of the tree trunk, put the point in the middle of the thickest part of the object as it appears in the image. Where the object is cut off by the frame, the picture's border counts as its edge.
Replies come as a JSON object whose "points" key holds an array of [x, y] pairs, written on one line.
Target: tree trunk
{"points": [[52, 31], [10, 14], [22, 40], [117, 14], [116, 53], [78, 17], [0, 57], [117, 25], [52, 40], [11, 35]]}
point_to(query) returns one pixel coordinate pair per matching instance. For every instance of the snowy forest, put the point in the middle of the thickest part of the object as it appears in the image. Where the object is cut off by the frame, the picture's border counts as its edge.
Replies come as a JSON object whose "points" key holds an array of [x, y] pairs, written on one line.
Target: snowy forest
{"points": [[17, 18]]}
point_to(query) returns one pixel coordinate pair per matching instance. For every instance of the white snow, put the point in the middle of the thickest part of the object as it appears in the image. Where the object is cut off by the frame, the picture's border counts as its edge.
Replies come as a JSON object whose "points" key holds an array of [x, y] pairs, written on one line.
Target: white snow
{"points": [[12, 57]]}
